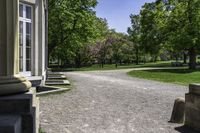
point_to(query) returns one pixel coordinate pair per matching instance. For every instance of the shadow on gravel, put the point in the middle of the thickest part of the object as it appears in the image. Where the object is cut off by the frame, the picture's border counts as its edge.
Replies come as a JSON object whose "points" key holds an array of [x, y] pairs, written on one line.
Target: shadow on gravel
{"points": [[185, 129]]}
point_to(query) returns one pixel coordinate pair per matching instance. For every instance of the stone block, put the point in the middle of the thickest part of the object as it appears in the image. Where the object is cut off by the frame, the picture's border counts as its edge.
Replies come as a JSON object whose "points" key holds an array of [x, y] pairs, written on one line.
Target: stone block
{"points": [[194, 89], [192, 118], [25, 105], [192, 110], [10, 124], [21, 103], [192, 101], [178, 112]]}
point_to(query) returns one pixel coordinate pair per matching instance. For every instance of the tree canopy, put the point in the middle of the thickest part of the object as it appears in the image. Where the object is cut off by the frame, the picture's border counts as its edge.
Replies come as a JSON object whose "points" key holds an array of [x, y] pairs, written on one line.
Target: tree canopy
{"points": [[169, 24]]}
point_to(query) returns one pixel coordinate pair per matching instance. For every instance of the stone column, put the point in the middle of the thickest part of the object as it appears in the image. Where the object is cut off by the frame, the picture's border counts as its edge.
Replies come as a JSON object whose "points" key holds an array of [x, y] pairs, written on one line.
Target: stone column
{"points": [[10, 81]]}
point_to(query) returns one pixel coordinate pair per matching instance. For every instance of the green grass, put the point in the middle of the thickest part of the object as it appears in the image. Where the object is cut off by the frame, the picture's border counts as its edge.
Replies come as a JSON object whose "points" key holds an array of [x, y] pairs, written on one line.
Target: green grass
{"points": [[112, 66], [178, 76], [41, 131]]}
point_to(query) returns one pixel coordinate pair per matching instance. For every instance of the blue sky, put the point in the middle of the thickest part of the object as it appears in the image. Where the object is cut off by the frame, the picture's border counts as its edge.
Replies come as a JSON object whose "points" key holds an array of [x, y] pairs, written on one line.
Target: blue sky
{"points": [[117, 12]]}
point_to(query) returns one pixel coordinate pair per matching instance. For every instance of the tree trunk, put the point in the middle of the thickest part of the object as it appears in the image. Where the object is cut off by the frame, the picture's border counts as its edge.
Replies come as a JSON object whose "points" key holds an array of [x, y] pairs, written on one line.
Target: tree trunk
{"points": [[78, 64], [192, 61], [78, 60], [185, 58], [137, 57], [176, 58], [155, 58], [116, 65], [110, 61], [102, 64], [58, 62], [144, 59]]}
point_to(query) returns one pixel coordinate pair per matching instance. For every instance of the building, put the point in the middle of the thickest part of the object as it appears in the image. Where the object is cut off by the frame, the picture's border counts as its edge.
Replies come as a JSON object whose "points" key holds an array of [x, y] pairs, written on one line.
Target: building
{"points": [[22, 54]]}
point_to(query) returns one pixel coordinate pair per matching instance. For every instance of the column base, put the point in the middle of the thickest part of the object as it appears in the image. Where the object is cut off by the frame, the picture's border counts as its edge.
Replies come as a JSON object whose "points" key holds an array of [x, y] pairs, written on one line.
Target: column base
{"points": [[13, 85], [26, 106], [10, 124]]}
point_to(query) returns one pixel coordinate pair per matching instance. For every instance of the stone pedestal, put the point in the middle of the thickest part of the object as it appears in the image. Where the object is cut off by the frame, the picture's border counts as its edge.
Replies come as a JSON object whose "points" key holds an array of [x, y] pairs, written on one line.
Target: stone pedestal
{"points": [[10, 124], [26, 106], [178, 112], [192, 107]]}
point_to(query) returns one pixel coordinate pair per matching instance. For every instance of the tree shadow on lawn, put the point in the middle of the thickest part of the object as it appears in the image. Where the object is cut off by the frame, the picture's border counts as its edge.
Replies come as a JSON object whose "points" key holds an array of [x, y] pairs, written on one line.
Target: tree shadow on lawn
{"points": [[177, 71], [185, 129]]}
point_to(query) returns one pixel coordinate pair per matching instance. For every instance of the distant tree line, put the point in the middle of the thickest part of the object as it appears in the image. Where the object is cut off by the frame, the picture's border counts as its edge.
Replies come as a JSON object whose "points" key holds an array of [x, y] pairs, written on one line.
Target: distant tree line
{"points": [[169, 25], [164, 30]]}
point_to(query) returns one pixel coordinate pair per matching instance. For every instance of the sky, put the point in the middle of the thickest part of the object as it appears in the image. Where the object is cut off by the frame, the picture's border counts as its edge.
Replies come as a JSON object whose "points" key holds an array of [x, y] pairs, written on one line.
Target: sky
{"points": [[117, 12]]}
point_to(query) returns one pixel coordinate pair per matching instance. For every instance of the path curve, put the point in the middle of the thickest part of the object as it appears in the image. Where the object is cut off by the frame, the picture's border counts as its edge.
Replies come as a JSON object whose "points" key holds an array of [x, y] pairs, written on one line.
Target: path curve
{"points": [[111, 102]]}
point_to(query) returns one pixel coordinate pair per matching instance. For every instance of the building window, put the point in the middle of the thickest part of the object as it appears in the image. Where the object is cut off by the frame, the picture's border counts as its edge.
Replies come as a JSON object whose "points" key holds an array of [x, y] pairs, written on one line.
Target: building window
{"points": [[25, 38]]}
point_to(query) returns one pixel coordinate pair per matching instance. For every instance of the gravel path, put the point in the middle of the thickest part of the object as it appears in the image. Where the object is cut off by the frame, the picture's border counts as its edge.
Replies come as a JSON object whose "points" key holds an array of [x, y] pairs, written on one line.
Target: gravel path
{"points": [[111, 102]]}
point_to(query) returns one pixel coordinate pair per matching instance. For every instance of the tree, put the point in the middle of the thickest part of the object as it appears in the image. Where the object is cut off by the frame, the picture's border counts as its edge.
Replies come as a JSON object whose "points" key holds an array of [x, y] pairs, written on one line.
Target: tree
{"points": [[183, 26], [135, 34], [116, 41], [72, 25], [151, 28]]}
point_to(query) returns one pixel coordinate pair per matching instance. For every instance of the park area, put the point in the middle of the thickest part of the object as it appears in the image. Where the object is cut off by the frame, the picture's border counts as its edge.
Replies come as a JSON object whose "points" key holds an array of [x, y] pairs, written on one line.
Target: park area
{"points": [[111, 101], [100, 66], [163, 71], [124, 77]]}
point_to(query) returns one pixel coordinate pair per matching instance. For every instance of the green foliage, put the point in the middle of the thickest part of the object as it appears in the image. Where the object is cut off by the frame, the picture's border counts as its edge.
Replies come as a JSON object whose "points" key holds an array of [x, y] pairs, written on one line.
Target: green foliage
{"points": [[73, 25], [151, 23], [172, 25], [183, 28], [164, 29]]}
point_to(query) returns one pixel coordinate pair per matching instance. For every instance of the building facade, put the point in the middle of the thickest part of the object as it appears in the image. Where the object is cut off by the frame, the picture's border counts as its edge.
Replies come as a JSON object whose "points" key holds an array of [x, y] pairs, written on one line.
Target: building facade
{"points": [[22, 54]]}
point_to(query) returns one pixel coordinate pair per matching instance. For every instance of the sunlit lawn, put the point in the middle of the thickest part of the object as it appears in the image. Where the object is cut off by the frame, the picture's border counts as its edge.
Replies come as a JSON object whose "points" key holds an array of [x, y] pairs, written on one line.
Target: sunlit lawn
{"points": [[180, 76]]}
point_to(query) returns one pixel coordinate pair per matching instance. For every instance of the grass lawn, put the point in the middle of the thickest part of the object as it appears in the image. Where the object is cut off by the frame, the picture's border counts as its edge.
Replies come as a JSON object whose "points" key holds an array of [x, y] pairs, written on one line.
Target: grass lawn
{"points": [[112, 66], [179, 76]]}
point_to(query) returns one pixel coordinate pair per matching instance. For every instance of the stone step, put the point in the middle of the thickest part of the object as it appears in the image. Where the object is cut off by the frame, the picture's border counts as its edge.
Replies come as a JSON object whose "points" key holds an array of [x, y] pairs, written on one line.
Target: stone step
{"points": [[63, 82], [50, 75], [56, 83], [56, 76], [55, 80]]}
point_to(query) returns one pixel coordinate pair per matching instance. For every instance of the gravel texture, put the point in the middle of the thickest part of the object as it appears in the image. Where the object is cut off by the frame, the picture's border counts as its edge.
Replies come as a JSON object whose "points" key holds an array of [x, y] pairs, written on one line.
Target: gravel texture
{"points": [[111, 102]]}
